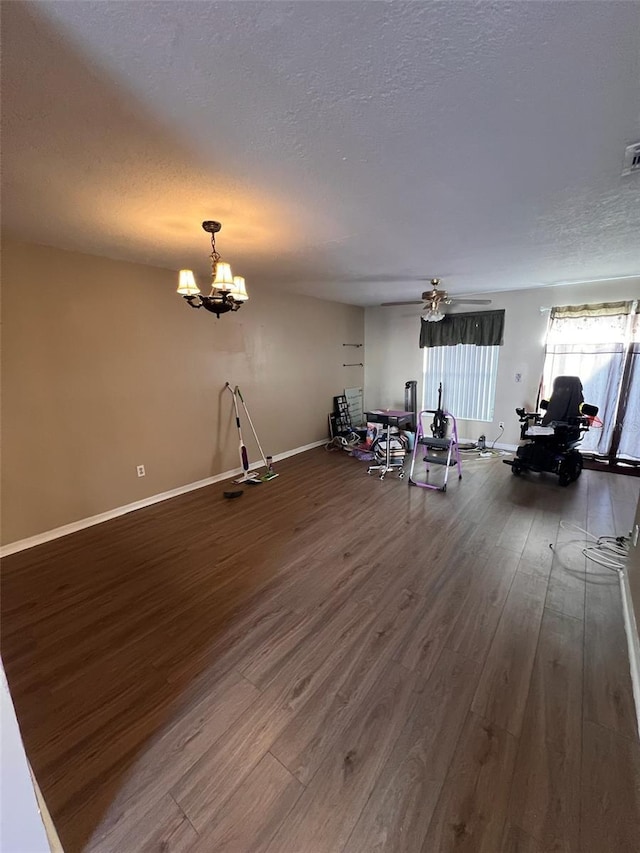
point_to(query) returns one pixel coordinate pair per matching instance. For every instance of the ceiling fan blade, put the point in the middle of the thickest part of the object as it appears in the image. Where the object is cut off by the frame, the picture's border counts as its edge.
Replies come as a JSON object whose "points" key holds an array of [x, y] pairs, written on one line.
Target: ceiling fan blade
{"points": [[388, 304], [462, 300]]}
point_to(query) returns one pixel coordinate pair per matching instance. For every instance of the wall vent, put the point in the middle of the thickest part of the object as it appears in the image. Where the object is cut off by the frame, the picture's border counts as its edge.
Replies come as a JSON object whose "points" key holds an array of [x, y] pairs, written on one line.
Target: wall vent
{"points": [[631, 159]]}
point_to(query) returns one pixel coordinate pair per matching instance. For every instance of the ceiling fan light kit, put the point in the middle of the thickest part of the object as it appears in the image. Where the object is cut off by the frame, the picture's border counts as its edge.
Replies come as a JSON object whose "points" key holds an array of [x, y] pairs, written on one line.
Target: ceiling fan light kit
{"points": [[228, 292]]}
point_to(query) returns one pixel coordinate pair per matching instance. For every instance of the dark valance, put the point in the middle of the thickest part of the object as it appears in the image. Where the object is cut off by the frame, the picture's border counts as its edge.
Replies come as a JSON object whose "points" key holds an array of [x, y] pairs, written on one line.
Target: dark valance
{"points": [[482, 328]]}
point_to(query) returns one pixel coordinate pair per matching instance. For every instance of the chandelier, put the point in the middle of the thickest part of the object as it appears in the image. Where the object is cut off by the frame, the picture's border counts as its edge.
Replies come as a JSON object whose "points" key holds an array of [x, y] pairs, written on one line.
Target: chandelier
{"points": [[228, 292]]}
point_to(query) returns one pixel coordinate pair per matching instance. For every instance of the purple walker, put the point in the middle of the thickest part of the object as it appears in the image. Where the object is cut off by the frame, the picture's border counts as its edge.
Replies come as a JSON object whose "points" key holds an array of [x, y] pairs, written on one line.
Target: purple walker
{"points": [[439, 451]]}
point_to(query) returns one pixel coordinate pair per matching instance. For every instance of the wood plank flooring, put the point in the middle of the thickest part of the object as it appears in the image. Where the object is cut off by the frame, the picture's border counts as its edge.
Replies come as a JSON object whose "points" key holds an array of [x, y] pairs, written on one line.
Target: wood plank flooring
{"points": [[333, 664]]}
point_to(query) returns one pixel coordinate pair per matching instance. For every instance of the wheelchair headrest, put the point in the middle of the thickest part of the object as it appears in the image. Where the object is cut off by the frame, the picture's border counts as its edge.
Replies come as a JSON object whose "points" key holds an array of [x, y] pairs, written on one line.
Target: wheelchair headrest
{"points": [[565, 401]]}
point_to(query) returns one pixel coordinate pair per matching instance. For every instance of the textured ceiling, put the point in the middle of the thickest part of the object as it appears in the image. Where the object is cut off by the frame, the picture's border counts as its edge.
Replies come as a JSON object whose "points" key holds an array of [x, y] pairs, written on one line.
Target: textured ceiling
{"points": [[339, 143]]}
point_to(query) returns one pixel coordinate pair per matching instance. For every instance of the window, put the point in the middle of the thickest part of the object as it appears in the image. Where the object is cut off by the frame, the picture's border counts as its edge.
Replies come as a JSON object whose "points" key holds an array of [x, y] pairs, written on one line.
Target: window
{"points": [[468, 374], [600, 344]]}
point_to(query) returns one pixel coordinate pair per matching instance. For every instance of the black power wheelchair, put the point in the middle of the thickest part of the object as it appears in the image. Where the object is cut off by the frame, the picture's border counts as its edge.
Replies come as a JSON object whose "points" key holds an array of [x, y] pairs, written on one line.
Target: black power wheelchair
{"points": [[567, 417]]}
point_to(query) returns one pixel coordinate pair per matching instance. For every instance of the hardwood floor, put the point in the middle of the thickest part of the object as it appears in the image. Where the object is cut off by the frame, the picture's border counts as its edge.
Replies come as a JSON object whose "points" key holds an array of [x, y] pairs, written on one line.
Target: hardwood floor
{"points": [[333, 664]]}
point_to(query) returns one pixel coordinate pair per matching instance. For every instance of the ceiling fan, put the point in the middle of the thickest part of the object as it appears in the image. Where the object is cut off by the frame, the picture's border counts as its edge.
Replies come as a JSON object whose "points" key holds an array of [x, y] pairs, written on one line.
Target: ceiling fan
{"points": [[435, 298]]}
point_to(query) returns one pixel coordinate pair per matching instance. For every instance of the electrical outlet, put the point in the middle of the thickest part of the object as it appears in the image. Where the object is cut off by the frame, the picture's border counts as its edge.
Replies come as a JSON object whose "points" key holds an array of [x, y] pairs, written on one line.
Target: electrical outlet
{"points": [[501, 425], [140, 470]]}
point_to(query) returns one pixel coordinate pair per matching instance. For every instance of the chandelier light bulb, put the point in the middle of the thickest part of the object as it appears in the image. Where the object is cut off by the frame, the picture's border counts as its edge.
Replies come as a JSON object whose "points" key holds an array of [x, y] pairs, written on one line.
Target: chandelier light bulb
{"points": [[239, 289], [224, 277], [187, 284]]}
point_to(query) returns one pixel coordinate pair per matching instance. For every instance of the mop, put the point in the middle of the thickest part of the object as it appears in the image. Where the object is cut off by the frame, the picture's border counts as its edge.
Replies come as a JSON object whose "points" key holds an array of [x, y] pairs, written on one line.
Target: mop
{"points": [[269, 474], [251, 477], [248, 476]]}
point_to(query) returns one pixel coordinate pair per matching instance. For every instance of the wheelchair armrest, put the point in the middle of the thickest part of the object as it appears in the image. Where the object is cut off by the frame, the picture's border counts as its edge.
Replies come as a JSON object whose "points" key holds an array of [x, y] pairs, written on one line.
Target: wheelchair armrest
{"points": [[526, 416]]}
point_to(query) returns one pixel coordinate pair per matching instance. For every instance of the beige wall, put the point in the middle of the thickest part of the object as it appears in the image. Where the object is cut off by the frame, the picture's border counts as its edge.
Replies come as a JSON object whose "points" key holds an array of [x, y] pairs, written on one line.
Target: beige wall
{"points": [[392, 354], [104, 368]]}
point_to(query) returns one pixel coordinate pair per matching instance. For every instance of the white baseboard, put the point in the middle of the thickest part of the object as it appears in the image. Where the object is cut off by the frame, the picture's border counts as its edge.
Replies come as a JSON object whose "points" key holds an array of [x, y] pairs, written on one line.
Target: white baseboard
{"points": [[633, 641], [294, 452], [66, 529]]}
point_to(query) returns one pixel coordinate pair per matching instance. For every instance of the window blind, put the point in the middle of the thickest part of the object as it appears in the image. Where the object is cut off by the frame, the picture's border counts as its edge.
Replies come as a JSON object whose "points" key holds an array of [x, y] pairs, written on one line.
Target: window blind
{"points": [[468, 374]]}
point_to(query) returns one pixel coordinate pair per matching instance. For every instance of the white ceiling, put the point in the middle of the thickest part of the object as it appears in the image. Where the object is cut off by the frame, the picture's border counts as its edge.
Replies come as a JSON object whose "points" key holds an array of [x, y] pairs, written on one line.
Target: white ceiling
{"points": [[340, 143]]}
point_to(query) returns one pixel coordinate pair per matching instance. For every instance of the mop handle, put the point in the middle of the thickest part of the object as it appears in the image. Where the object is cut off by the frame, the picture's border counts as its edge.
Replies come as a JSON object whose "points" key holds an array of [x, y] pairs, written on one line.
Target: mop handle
{"points": [[253, 429], [242, 450], [235, 405]]}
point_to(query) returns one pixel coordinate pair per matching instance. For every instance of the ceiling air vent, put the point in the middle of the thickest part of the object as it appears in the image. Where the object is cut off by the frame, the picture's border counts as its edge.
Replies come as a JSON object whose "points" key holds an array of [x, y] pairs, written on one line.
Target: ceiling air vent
{"points": [[631, 159]]}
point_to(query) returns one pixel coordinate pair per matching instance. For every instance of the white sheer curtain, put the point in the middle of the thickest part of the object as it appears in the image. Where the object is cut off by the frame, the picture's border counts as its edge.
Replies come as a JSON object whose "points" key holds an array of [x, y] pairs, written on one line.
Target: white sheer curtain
{"points": [[593, 342], [630, 434]]}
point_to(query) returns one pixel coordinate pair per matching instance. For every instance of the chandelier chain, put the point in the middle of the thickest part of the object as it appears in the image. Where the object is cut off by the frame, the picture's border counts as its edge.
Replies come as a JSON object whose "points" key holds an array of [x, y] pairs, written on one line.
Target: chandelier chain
{"points": [[215, 255]]}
